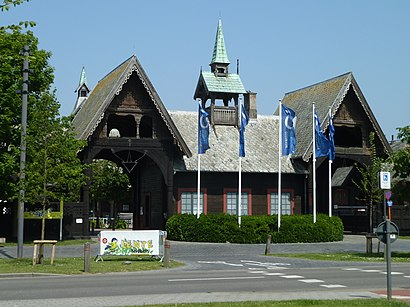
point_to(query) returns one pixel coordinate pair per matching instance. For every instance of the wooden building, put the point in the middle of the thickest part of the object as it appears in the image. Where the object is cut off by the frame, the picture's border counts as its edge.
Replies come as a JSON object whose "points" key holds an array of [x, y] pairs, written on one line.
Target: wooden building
{"points": [[124, 120]]}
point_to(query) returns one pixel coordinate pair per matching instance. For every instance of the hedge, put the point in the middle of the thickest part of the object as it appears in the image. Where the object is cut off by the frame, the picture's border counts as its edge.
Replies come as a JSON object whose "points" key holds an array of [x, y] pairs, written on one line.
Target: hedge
{"points": [[254, 229]]}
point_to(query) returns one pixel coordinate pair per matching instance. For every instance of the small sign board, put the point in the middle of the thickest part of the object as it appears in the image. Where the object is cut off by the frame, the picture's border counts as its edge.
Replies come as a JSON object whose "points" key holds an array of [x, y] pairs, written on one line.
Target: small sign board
{"points": [[381, 232], [385, 180], [389, 203]]}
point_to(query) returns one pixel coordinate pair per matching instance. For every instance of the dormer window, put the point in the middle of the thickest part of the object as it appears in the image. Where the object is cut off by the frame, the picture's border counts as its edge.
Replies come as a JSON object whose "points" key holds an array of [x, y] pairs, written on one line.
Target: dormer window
{"points": [[83, 93]]}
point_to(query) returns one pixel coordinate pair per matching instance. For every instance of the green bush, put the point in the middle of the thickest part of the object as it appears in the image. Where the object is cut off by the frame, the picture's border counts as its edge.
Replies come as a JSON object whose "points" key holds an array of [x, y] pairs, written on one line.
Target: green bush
{"points": [[254, 229]]}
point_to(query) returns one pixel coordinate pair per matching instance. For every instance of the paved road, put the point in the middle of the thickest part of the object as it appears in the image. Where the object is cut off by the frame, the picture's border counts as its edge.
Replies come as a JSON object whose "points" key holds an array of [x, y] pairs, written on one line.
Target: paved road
{"points": [[214, 272]]}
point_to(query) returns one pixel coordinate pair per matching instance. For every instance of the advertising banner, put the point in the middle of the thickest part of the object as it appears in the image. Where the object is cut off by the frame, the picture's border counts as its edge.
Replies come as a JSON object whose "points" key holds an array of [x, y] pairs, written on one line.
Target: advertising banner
{"points": [[135, 242]]}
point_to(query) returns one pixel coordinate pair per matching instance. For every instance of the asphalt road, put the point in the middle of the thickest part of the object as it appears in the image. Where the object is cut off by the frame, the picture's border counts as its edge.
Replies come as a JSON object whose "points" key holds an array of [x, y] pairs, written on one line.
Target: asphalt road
{"points": [[214, 272]]}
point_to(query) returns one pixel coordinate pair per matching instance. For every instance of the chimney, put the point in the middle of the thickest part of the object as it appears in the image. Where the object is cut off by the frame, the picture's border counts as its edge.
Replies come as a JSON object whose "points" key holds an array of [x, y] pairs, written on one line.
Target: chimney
{"points": [[250, 104]]}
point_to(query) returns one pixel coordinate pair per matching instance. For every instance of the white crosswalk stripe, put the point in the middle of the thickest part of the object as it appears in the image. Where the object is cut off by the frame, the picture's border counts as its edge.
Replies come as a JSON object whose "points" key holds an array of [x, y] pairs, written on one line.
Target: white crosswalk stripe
{"points": [[311, 281], [292, 276], [333, 286]]}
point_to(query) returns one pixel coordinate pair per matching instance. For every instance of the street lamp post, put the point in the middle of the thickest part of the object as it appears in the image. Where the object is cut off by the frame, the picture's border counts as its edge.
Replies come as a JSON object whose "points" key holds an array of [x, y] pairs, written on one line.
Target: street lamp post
{"points": [[20, 209]]}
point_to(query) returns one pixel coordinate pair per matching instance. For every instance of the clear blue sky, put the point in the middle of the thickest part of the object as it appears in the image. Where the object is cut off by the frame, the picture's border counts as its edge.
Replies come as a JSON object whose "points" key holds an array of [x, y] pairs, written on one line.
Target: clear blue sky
{"points": [[282, 46]]}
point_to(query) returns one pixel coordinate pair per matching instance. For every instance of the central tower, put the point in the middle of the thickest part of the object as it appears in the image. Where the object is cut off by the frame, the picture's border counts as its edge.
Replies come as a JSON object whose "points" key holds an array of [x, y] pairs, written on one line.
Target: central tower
{"points": [[219, 86]]}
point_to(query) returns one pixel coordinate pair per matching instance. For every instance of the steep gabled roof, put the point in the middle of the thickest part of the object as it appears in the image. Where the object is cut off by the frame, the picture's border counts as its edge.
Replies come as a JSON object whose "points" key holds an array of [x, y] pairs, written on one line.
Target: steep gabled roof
{"points": [[92, 111], [325, 95], [261, 146]]}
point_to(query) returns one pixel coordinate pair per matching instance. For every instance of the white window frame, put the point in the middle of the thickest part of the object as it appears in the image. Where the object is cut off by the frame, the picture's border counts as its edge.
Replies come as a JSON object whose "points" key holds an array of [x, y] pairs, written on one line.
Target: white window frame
{"points": [[286, 203]]}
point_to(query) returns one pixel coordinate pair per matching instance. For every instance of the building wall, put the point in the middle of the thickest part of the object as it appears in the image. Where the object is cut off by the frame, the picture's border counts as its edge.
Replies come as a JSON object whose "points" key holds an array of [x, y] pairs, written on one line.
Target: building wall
{"points": [[258, 186]]}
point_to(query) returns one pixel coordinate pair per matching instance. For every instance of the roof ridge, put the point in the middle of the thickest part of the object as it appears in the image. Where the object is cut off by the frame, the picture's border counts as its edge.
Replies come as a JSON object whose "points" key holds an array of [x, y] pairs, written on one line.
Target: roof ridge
{"points": [[127, 60], [318, 83]]}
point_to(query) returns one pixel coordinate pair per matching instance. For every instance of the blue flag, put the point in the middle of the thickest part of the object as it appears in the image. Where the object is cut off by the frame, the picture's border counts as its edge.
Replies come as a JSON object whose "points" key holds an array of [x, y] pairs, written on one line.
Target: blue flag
{"points": [[243, 124], [332, 152], [203, 130], [322, 143], [288, 131]]}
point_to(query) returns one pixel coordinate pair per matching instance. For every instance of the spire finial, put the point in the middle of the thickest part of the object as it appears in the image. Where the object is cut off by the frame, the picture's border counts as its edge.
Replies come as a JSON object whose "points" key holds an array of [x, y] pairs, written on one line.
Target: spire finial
{"points": [[83, 77], [220, 55]]}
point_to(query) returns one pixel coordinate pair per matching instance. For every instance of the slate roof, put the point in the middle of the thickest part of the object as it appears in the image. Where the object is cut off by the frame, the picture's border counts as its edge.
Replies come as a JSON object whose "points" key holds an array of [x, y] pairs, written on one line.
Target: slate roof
{"points": [[325, 95], [261, 145], [340, 175], [91, 112]]}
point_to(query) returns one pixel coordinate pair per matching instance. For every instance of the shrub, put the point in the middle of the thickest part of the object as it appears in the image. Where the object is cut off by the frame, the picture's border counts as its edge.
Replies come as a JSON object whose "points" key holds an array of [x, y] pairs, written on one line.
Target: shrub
{"points": [[254, 229]]}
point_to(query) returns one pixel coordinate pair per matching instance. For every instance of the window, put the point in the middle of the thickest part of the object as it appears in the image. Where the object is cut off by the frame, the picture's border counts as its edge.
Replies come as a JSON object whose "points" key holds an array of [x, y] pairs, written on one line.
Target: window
{"points": [[146, 127], [124, 124], [286, 204], [231, 202], [188, 202]]}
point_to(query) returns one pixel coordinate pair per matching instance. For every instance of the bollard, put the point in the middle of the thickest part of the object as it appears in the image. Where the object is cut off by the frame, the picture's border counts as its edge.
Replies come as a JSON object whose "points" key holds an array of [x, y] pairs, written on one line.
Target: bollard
{"points": [[268, 242], [167, 247], [87, 256]]}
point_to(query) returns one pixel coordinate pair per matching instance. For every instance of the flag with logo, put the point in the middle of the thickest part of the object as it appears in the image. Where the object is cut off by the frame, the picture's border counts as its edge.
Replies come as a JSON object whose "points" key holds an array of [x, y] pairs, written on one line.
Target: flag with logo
{"points": [[203, 130], [332, 152], [244, 122], [288, 131], [322, 143]]}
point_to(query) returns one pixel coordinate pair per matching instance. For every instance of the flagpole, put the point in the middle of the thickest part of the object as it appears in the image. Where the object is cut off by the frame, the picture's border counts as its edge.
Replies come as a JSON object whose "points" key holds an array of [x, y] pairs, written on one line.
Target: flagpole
{"points": [[314, 162], [199, 187], [240, 168], [330, 172], [280, 166], [199, 171], [330, 188]]}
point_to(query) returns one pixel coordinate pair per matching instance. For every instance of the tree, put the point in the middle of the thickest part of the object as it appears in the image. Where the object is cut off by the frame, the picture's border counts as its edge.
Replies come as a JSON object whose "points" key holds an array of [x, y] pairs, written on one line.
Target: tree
{"points": [[41, 78], [401, 167], [369, 182], [53, 169], [6, 6]]}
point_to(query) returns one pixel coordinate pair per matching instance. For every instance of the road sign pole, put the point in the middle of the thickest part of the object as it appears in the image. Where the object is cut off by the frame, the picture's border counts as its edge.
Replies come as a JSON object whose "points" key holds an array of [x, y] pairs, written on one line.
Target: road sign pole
{"points": [[388, 259], [385, 210]]}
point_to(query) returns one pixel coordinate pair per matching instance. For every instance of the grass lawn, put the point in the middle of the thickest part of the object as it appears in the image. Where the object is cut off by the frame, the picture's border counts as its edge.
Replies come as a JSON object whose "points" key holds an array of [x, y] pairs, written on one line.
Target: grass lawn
{"points": [[76, 265], [298, 303], [354, 257]]}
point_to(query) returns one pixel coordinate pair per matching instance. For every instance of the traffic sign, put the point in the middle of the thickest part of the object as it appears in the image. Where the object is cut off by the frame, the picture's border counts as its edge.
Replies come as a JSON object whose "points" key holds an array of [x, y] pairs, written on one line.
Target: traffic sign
{"points": [[381, 232], [388, 194], [385, 180], [389, 203]]}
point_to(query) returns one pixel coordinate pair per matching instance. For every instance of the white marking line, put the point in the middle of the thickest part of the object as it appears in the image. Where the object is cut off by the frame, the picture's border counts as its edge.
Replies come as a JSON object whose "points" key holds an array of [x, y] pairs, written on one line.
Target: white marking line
{"points": [[257, 263], [256, 272], [311, 281], [276, 268], [273, 274], [292, 276], [333, 286], [371, 271], [392, 273], [216, 278], [220, 262], [351, 269], [406, 276]]}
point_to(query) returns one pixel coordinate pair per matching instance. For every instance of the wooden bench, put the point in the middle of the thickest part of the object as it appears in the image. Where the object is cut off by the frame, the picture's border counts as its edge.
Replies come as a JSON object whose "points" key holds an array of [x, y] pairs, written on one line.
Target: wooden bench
{"points": [[41, 243]]}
